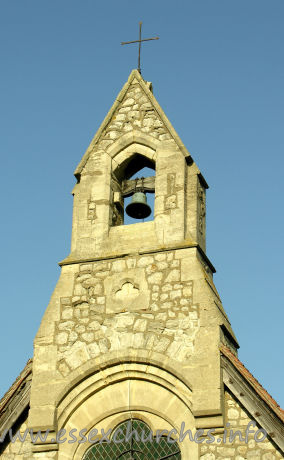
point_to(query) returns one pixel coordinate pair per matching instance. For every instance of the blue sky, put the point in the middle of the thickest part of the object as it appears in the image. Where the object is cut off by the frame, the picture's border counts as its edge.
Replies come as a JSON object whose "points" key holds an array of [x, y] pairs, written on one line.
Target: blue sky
{"points": [[217, 72]]}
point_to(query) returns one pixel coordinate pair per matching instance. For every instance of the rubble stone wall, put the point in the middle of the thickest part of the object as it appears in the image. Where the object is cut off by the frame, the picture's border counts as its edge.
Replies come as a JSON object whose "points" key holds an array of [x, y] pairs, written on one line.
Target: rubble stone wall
{"points": [[238, 419], [134, 302]]}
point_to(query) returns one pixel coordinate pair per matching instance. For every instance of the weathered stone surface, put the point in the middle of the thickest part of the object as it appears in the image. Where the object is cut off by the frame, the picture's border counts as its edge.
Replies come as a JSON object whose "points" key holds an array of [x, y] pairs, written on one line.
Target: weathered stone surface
{"points": [[140, 325], [187, 291], [124, 326], [118, 265], [67, 313], [128, 101], [80, 329], [225, 451], [62, 338], [88, 337], [131, 263], [93, 350], [101, 300], [160, 257], [155, 278], [209, 456], [85, 267], [123, 321], [66, 325], [233, 414], [77, 355], [144, 261], [163, 297], [174, 275], [162, 344], [268, 456], [94, 325], [175, 294]]}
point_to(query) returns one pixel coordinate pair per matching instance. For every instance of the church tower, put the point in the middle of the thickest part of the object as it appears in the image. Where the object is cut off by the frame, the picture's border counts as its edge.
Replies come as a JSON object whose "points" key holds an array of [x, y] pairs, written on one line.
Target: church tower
{"points": [[135, 329]]}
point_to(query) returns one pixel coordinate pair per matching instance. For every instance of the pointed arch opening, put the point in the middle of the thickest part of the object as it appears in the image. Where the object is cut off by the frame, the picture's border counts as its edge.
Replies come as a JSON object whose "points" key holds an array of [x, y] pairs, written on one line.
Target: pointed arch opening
{"points": [[133, 189]]}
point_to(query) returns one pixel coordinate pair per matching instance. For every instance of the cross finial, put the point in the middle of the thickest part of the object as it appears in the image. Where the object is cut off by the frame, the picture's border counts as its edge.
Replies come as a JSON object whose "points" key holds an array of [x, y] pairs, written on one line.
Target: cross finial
{"points": [[140, 41]]}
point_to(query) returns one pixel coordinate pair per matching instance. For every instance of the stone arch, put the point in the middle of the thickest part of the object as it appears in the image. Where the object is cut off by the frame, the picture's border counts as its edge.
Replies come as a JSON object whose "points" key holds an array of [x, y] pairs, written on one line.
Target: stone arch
{"points": [[129, 155], [114, 393], [130, 144], [133, 137], [121, 162], [105, 363]]}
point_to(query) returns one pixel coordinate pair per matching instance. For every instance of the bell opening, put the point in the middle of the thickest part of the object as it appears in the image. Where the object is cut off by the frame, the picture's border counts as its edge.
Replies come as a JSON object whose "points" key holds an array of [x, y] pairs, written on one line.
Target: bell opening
{"points": [[133, 191], [139, 206]]}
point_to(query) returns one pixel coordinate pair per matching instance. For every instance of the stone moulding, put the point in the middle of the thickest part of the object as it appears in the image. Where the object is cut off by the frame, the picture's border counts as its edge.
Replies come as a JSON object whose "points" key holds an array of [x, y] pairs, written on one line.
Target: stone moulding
{"points": [[89, 402], [150, 250], [75, 400], [133, 140]]}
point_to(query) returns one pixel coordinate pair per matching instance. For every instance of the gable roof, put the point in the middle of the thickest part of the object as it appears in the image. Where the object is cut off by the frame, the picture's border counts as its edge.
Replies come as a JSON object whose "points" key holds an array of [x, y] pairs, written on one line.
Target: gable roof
{"points": [[16, 399], [251, 394], [265, 396], [134, 78]]}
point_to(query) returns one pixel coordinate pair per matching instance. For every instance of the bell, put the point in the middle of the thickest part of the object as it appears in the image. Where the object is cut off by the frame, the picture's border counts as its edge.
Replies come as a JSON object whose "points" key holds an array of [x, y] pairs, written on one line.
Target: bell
{"points": [[138, 208]]}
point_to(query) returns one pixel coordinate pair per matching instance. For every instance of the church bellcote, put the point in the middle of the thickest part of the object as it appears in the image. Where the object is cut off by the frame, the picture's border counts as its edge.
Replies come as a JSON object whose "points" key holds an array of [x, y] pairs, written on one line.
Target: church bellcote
{"points": [[135, 331], [139, 294], [136, 134]]}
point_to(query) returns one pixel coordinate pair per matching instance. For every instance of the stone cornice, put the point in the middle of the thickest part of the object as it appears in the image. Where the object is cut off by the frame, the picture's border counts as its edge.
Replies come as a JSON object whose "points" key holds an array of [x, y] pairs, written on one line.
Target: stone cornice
{"points": [[70, 260]]}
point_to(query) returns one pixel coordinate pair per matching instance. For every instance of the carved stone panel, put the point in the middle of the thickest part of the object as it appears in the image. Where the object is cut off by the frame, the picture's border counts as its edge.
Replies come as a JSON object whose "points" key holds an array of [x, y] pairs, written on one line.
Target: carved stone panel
{"points": [[127, 291]]}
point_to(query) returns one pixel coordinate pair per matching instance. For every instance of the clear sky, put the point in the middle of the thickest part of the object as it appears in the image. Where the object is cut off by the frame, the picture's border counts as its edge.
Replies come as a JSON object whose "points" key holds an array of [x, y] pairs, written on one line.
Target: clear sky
{"points": [[217, 72]]}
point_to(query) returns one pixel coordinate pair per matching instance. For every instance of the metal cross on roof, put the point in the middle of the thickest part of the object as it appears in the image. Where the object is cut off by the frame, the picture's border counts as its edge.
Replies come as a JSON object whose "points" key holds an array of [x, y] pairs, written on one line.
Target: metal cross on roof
{"points": [[140, 41]]}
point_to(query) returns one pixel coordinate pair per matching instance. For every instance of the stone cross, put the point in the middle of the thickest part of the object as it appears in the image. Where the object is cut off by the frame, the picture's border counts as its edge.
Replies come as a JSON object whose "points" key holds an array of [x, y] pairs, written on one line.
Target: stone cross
{"points": [[140, 41]]}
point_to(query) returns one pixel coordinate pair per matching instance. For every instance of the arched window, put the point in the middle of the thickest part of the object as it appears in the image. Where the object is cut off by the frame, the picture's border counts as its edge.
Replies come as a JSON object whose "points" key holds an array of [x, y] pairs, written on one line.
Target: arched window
{"points": [[133, 440]]}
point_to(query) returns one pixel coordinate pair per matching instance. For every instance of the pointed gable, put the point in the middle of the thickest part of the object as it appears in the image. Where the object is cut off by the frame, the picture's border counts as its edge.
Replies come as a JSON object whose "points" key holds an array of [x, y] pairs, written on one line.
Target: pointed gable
{"points": [[250, 394], [135, 108], [17, 398]]}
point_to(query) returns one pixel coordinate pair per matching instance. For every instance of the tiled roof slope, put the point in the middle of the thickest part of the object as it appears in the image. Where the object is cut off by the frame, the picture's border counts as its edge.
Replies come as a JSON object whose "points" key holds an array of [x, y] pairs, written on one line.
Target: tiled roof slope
{"points": [[16, 385], [265, 396]]}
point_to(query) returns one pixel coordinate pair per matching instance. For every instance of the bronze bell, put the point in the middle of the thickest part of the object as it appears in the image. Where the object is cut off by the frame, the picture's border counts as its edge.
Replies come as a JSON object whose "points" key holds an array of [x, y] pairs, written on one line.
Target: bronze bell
{"points": [[138, 208]]}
